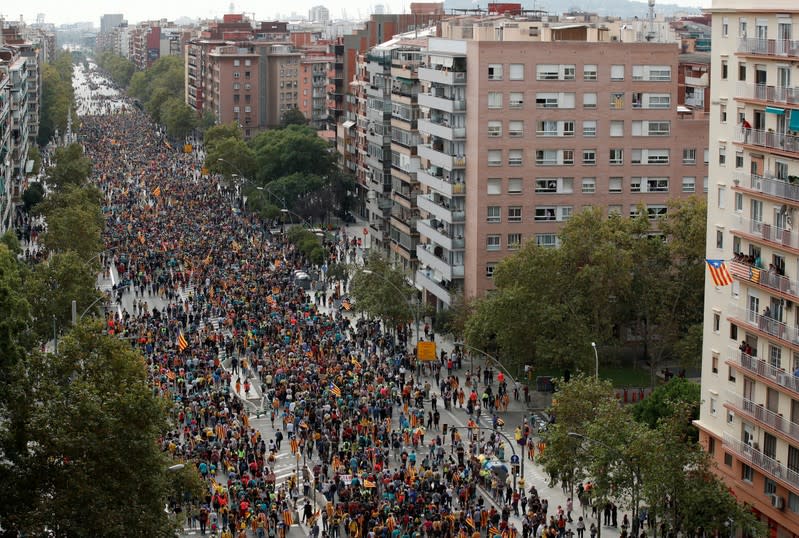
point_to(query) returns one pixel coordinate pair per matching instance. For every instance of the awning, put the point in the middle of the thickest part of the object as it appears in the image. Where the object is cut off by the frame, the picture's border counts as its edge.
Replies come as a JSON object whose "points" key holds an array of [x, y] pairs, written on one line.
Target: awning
{"points": [[775, 110], [683, 109], [793, 125], [348, 124]]}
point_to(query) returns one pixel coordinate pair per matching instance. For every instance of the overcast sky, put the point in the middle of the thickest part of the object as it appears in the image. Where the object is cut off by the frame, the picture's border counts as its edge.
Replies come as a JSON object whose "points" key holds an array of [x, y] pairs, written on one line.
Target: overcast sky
{"points": [[67, 11]]}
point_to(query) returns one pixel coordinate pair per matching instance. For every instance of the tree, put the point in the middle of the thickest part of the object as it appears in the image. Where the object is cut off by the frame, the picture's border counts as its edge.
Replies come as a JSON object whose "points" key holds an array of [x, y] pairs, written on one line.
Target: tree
{"points": [[74, 221], [57, 97], [178, 117], [35, 155], [308, 244], [71, 167], [33, 195], [93, 431], [384, 292], [221, 132], [295, 149], [293, 116], [230, 155], [666, 400]]}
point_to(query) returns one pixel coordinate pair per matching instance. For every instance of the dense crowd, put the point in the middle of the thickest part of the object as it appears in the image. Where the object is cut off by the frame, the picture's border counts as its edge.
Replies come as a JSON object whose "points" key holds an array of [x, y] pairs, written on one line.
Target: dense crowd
{"points": [[346, 394]]}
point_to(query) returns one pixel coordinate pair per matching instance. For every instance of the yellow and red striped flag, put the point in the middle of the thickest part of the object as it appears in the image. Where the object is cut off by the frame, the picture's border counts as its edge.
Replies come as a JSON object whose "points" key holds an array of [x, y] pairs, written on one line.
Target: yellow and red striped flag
{"points": [[335, 390], [493, 531], [287, 519], [182, 342], [157, 191], [470, 522], [719, 273]]}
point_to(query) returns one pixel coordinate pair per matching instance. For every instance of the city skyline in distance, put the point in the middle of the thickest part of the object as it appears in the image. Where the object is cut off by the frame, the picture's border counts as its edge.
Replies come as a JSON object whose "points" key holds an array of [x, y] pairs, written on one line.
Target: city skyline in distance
{"points": [[60, 12]]}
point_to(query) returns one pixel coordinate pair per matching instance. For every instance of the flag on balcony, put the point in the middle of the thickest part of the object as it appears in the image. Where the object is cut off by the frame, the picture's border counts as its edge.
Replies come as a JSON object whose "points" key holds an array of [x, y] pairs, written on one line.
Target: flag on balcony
{"points": [[745, 272], [719, 272]]}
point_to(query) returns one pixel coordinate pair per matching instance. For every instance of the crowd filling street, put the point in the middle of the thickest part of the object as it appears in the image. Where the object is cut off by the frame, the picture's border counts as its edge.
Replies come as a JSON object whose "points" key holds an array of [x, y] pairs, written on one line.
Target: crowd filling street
{"points": [[301, 417]]}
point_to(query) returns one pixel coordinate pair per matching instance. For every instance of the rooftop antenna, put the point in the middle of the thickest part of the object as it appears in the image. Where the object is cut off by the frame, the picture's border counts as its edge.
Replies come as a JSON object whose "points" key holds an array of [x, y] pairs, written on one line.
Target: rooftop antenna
{"points": [[651, 34]]}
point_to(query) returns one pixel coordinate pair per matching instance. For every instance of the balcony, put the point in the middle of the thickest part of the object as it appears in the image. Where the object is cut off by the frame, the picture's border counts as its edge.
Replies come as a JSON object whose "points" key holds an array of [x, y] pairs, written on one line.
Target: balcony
{"points": [[442, 76], [772, 186], [427, 203], [768, 139], [769, 47], [763, 369], [760, 231], [437, 233], [442, 130], [426, 255], [770, 326], [772, 94], [767, 465], [779, 283], [435, 179], [442, 160], [425, 281], [759, 412], [442, 103]]}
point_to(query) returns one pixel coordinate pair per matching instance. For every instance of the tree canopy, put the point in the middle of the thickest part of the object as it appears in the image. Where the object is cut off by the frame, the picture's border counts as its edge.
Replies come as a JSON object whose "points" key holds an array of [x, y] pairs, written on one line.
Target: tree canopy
{"points": [[297, 149], [382, 290], [71, 167], [58, 97]]}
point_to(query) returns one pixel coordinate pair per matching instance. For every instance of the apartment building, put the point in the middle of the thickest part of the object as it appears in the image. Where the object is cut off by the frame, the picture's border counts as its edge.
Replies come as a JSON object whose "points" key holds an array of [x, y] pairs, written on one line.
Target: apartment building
{"points": [[749, 420], [525, 122], [313, 85]]}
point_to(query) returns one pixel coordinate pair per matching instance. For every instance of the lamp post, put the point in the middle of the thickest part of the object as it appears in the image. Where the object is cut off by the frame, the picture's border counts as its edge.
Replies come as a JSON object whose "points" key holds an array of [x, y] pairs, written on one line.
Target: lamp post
{"points": [[596, 359], [634, 470], [414, 311]]}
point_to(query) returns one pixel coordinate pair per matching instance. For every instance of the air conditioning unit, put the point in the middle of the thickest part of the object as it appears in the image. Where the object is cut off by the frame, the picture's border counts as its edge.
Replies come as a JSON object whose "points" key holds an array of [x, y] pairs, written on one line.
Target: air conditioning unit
{"points": [[778, 502]]}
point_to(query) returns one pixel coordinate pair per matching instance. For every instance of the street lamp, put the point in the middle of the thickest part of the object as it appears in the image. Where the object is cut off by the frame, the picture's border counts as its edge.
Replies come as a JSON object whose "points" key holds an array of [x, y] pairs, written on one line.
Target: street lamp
{"points": [[596, 358], [414, 311], [634, 470]]}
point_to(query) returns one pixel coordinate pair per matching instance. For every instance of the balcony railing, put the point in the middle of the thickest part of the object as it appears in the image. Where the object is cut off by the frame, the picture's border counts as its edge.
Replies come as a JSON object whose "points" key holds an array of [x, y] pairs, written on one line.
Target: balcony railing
{"points": [[763, 92], [768, 232], [441, 102], [763, 369], [425, 280], [767, 325], [769, 47], [760, 413], [764, 463], [768, 185], [776, 282], [768, 139]]}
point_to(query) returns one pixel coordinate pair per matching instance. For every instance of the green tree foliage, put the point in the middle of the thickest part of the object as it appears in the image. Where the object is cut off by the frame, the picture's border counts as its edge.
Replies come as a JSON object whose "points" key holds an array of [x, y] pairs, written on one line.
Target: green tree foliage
{"points": [[94, 468], [609, 274], [35, 155], [293, 116], [384, 292], [307, 243], [119, 69], [58, 98], [228, 156], [178, 117], [294, 150], [71, 167], [665, 401], [33, 195], [158, 84], [74, 221]]}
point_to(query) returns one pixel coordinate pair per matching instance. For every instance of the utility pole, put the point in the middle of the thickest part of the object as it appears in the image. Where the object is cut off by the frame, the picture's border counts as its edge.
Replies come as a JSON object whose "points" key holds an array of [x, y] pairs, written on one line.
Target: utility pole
{"points": [[55, 337]]}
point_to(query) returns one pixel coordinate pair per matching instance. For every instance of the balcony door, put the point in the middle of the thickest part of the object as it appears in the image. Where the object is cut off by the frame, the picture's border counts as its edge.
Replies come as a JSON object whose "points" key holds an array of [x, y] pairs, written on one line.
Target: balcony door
{"points": [[784, 37], [756, 165]]}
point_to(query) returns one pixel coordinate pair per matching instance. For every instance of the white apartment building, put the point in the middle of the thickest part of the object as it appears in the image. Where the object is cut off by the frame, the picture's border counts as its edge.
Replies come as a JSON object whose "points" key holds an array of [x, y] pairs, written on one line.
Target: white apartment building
{"points": [[749, 420]]}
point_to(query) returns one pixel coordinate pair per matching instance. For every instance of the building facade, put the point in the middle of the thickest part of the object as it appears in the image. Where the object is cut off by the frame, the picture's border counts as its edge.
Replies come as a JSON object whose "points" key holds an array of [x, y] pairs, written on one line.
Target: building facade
{"points": [[749, 420]]}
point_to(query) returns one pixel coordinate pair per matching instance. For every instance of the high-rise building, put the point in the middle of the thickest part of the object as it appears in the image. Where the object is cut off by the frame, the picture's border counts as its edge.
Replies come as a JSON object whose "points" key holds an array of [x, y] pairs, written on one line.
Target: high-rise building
{"points": [[319, 14], [749, 419], [110, 21]]}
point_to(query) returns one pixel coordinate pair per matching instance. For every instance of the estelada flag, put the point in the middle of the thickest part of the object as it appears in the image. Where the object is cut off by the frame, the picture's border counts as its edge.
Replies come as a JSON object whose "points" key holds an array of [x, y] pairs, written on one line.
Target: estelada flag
{"points": [[182, 343], [719, 273], [157, 191], [287, 519]]}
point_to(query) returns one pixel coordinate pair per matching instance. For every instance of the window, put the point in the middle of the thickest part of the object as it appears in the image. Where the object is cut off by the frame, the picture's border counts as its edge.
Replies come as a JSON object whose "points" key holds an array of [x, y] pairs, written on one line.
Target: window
{"points": [[739, 159], [728, 459], [490, 269], [725, 26], [713, 406], [704, 184], [516, 72], [657, 184], [494, 71], [589, 100], [742, 71], [650, 156], [515, 185], [719, 239], [715, 363], [236, 86], [769, 486], [616, 156], [616, 72], [494, 186], [494, 100], [688, 184], [494, 128], [716, 322], [546, 240], [614, 185], [706, 156], [515, 99], [614, 209], [589, 156], [546, 100], [689, 156], [547, 72], [723, 113], [724, 69], [722, 197], [568, 72], [659, 128], [493, 242], [514, 241], [546, 185], [546, 157], [568, 156], [589, 185], [722, 155], [617, 128], [742, 27], [589, 128], [589, 72], [659, 100], [494, 214], [236, 63], [652, 73], [514, 214], [739, 202], [793, 502], [495, 157], [545, 214], [616, 101], [515, 157], [236, 74], [515, 128]]}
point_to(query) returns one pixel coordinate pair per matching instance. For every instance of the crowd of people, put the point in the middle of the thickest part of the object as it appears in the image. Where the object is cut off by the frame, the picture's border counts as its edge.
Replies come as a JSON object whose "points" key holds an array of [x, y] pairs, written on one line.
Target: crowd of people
{"points": [[237, 337]]}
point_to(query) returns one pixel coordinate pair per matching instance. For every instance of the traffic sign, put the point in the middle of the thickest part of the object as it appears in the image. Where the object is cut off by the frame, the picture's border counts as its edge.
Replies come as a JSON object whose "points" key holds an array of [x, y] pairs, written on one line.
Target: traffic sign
{"points": [[426, 351], [514, 459]]}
